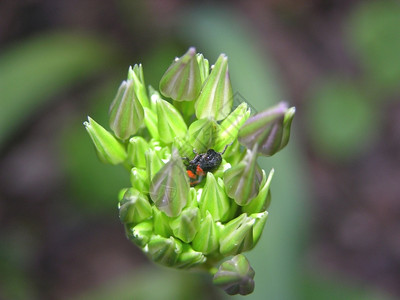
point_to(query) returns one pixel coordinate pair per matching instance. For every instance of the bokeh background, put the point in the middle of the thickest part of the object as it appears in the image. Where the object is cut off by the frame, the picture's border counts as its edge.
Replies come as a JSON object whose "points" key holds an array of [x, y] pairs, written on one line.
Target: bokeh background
{"points": [[334, 225]]}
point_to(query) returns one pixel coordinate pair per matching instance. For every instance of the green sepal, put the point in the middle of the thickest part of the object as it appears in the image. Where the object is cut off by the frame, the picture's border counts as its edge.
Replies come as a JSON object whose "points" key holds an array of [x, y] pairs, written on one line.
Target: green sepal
{"points": [[108, 148], [163, 250], [182, 81], [237, 235], [202, 134], [139, 180], [126, 112], [229, 128], [204, 67], [214, 199], [242, 182], [185, 226], [134, 207], [260, 219], [137, 148], [270, 129], [169, 189], [184, 148], [207, 237], [161, 223], [216, 97], [192, 200], [170, 122], [141, 233], [153, 163], [235, 276], [261, 202], [189, 258], [151, 122], [136, 75]]}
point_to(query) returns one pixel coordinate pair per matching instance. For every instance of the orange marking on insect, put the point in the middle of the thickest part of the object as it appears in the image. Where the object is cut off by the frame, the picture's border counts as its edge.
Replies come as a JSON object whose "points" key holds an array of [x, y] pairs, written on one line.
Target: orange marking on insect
{"points": [[191, 174], [199, 171]]}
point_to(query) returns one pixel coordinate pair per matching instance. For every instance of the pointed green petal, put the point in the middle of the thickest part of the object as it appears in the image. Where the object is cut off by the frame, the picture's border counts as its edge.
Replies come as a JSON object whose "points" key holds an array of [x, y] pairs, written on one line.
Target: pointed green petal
{"points": [[229, 128], [151, 122], [161, 223], [258, 227], [169, 189], [214, 199], [170, 122], [216, 97], [141, 233], [182, 81], [189, 258], [126, 112], [260, 202], [163, 250], [204, 67], [137, 148], [242, 182], [136, 75], [207, 238], [108, 149], [269, 129], [237, 235], [235, 276], [139, 180], [134, 207], [202, 134], [185, 226], [153, 163]]}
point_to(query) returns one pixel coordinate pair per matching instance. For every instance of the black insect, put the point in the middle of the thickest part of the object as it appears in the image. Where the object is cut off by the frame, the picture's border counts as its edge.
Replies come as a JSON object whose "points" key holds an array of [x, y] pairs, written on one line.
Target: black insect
{"points": [[202, 163]]}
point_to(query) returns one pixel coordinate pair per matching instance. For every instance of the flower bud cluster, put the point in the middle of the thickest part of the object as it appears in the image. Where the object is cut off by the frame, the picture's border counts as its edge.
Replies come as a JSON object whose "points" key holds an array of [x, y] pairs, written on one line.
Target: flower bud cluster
{"points": [[177, 220]]}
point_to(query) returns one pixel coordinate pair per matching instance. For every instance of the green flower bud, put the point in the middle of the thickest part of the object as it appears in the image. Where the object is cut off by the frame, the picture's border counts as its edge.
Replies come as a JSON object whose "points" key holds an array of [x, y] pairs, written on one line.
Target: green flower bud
{"points": [[136, 75], [216, 97], [161, 223], [202, 134], [237, 235], [137, 148], [192, 201], [189, 258], [235, 276], [134, 207], [141, 233], [108, 149], [258, 227], [139, 180], [269, 129], [163, 250], [170, 122], [182, 81], [151, 122], [214, 199], [126, 112], [207, 237], [184, 148], [261, 201], [204, 67], [169, 189], [242, 182], [153, 163], [185, 226], [229, 128]]}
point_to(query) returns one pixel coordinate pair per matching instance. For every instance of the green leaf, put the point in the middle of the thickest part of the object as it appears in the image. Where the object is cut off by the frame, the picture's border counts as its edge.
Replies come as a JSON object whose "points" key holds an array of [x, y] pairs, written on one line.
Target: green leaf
{"points": [[35, 70]]}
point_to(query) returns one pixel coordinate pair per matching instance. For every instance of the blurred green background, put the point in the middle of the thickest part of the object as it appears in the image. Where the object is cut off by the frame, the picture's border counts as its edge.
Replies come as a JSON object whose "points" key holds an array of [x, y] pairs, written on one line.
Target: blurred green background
{"points": [[333, 229]]}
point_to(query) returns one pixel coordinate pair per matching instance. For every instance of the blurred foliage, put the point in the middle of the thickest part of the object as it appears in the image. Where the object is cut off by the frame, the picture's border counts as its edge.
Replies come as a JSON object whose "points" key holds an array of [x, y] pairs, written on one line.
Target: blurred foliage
{"points": [[341, 121], [35, 70], [92, 187], [344, 117], [374, 33]]}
